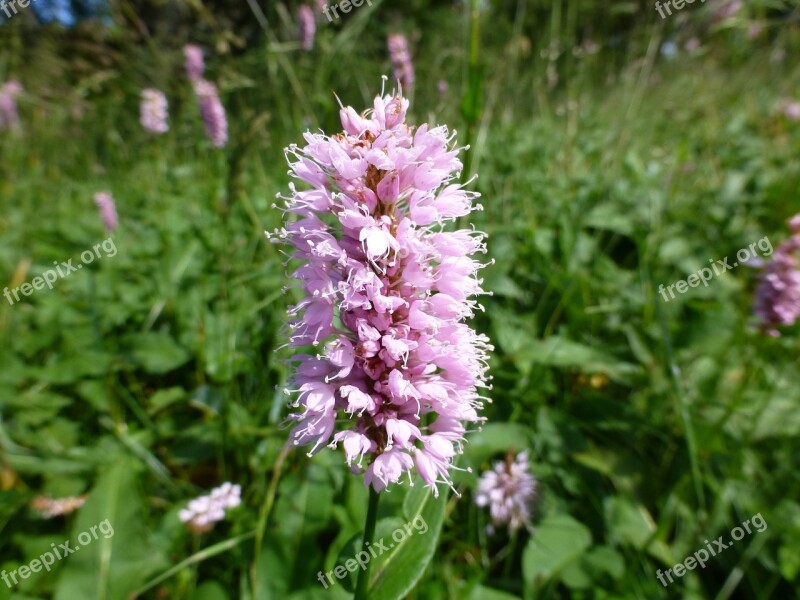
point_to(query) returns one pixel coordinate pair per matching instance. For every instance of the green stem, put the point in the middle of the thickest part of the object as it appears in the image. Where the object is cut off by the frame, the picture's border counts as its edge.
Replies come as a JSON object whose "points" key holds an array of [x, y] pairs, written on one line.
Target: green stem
{"points": [[194, 559], [263, 516], [472, 101], [683, 406], [369, 534], [512, 550]]}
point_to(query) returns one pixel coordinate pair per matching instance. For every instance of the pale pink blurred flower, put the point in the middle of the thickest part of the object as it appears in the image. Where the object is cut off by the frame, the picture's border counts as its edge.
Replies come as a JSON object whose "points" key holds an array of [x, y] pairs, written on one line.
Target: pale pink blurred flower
{"points": [[108, 210], [509, 490], [203, 512], [777, 299], [791, 110], [755, 30], [9, 117], [12, 87], [195, 66], [401, 60], [692, 44], [153, 111], [308, 26], [727, 9], [212, 112], [56, 507]]}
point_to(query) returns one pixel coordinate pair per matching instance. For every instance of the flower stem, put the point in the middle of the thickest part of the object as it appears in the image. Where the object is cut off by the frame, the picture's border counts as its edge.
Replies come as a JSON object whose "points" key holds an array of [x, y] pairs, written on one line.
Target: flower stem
{"points": [[369, 533], [266, 509]]}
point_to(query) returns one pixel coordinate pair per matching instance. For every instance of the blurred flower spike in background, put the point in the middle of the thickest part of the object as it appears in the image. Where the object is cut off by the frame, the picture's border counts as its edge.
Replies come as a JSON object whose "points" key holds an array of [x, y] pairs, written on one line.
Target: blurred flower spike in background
{"points": [[777, 302], [508, 490]]}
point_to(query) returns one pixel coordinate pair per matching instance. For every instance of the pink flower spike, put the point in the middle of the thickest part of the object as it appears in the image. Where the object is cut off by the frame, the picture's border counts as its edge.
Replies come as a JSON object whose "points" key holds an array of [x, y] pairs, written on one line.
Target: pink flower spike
{"points": [[9, 117], [212, 112], [154, 111], [195, 65], [385, 296], [108, 210], [777, 299], [401, 60], [308, 26], [508, 490]]}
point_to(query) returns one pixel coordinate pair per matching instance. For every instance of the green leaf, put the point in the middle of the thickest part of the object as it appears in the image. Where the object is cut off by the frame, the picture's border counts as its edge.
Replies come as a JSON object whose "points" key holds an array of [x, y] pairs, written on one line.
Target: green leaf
{"points": [[557, 542], [480, 592], [11, 502], [558, 351], [495, 438], [220, 346], [603, 559], [164, 398], [349, 552], [210, 590], [789, 561], [411, 545], [628, 522], [157, 352], [115, 557]]}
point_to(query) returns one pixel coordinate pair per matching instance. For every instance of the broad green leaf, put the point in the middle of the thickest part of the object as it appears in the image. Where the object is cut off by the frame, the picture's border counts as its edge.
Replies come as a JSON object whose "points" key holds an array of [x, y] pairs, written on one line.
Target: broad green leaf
{"points": [[112, 559], [779, 418], [349, 554], [411, 546], [10, 503], [495, 438], [157, 352], [557, 542], [603, 559], [558, 351], [628, 522], [220, 346], [210, 590], [481, 592], [789, 561], [164, 398]]}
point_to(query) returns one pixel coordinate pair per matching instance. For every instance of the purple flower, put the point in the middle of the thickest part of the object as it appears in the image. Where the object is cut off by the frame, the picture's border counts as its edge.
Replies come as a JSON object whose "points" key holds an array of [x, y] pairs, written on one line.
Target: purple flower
{"points": [[727, 9], [153, 111], [755, 30], [777, 300], [509, 491], [203, 512], [387, 290], [401, 60], [308, 26], [9, 118], [108, 210], [195, 66], [212, 112], [790, 109]]}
